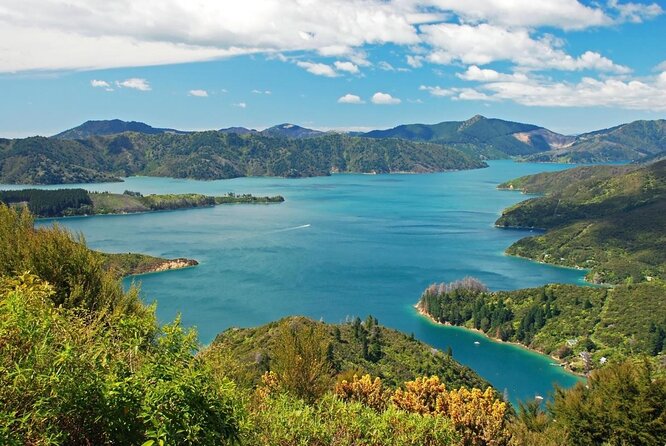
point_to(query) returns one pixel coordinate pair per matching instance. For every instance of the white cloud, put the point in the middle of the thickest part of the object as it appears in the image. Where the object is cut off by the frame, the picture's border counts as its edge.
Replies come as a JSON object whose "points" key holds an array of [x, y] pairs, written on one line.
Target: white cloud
{"points": [[565, 14], [266, 92], [475, 73], [350, 99], [384, 99], [644, 94], [349, 67], [88, 34], [319, 69], [240, 105], [135, 83], [385, 66], [414, 61], [436, 90], [635, 12], [198, 93], [484, 43], [100, 84]]}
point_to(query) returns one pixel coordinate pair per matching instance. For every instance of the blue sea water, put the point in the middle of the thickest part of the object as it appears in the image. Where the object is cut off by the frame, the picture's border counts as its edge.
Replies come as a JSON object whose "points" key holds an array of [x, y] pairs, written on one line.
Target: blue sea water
{"points": [[339, 246]]}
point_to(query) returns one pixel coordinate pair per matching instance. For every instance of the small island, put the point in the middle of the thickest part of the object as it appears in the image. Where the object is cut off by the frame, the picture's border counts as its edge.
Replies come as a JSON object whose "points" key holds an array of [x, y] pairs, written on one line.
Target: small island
{"points": [[71, 202]]}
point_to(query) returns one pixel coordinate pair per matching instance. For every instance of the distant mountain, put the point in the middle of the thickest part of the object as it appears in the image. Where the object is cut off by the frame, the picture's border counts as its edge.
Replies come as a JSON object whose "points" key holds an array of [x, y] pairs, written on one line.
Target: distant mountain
{"points": [[237, 130], [216, 155], [637, 140], [291, 131], [487, 137], [111, 127]]}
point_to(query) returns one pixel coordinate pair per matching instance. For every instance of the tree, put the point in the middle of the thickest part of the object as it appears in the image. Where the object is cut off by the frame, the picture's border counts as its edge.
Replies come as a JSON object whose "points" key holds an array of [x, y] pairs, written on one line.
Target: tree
{"points": [[300, 360]]}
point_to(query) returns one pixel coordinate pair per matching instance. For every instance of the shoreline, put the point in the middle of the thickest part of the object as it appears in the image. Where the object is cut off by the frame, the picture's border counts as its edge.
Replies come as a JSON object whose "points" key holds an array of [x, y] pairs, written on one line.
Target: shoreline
{"points": [[559, 362], [163, 267], [150, 211]]}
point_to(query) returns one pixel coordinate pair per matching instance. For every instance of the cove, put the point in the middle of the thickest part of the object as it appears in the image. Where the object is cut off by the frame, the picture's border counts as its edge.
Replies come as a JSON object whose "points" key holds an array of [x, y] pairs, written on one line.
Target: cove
{"points": [[340, 246]]}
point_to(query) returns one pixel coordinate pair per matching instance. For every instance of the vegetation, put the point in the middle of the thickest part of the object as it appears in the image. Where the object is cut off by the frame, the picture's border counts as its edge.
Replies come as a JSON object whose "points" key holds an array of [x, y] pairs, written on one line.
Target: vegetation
{"points": [[622, 404], [489, 138], [610, 222], [68, 202], [215, 155], [579, 325], [83, 362], [553, 182], [353, 347], [50, 203]]}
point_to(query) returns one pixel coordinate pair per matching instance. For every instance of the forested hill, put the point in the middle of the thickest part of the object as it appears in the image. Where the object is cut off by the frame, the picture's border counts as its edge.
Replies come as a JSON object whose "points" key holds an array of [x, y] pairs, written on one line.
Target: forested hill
{"points": [[487, 137], [111, 127], [564, 321], [627, 142], [216, 155], [611, 220], [361, 347]]}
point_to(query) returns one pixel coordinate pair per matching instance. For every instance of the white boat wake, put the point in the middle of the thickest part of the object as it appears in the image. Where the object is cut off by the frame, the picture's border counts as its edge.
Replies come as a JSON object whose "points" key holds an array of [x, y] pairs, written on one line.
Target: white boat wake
{"points": [[292, 229]]}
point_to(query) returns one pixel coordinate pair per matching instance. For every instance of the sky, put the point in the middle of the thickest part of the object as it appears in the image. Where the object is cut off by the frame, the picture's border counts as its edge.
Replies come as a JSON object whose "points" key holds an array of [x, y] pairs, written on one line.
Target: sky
{"points": [[571, 66]]}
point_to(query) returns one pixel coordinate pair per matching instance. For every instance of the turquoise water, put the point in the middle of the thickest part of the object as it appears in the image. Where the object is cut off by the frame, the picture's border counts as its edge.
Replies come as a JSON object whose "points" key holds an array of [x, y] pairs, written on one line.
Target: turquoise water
{"points": [[340, 246]]}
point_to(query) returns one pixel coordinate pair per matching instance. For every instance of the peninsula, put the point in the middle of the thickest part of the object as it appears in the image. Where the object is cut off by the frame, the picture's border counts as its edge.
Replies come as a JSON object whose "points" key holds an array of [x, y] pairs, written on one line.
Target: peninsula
{"points": [[70, 202]]}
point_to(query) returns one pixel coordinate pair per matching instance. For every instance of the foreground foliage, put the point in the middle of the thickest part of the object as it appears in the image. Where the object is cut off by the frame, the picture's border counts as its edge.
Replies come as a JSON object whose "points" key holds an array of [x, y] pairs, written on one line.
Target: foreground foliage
{"points": [[622, 404]]}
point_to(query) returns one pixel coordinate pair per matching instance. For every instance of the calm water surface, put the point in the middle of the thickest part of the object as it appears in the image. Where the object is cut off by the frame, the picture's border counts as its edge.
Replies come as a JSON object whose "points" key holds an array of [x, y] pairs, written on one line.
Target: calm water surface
{"points": [[340, 246]]}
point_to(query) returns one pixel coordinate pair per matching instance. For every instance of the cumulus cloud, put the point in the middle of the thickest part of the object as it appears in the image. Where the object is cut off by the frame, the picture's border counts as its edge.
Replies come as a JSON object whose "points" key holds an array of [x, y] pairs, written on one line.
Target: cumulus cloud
{"points": [[384, 99], [349, 67], [198, 93], [350, 99], [565, 14], [483, 44], [645, 94], [135, 83], [240, 105], [475, 73], [267, 92], [319, 69], [100, 84], [87, 34]]}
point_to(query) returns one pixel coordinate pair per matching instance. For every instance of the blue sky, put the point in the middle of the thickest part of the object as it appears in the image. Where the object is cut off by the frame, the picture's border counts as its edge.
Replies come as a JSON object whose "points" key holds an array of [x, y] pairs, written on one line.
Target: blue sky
{"points": [[338, 64]]}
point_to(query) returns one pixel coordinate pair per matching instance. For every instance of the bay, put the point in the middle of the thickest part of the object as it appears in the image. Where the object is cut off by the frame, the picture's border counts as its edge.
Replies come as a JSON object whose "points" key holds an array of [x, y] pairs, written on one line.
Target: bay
{"points": [[338, 247]]}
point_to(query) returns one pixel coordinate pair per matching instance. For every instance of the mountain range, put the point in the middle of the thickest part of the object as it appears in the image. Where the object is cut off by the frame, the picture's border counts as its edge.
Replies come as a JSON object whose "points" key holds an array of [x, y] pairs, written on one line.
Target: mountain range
{"points": [[488, 138]]}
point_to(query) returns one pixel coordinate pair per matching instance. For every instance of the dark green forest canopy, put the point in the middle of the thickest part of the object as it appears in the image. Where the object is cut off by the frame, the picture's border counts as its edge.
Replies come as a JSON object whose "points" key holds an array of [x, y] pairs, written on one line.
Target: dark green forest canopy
{"points": [[610, 220]]}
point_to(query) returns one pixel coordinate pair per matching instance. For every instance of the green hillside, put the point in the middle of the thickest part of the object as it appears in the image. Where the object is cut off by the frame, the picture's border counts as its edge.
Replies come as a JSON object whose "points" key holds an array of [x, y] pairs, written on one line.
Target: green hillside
{"points": [[626, 142], [492, 138], [215, 155], [560, 320], [360, 347], [610, 224]]}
